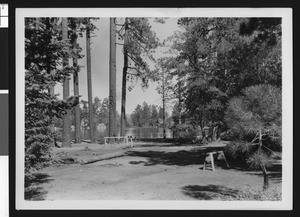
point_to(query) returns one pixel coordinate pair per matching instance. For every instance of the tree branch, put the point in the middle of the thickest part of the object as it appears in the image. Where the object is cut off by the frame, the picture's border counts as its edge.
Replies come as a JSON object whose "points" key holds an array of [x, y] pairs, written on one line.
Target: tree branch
{"points": [[137, 33], [255, 138], [268, 149], [134, 60], [139, 72], [128, 73], [118, 31]]}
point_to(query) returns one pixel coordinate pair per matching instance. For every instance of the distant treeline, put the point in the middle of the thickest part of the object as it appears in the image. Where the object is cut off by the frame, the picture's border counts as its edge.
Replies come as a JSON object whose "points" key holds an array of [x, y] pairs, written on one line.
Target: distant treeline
{"points": [[145, 115], [149, 116]]}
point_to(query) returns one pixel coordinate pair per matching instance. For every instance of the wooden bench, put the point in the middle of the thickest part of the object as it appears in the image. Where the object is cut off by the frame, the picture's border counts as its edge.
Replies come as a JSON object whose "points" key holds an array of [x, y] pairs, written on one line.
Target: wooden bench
{"points": [[127, 140], [210, 159]]}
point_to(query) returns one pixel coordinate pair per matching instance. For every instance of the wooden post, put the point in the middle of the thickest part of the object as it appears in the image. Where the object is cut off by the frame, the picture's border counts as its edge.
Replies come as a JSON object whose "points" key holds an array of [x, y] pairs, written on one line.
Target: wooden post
{"points": [[112, 78]]}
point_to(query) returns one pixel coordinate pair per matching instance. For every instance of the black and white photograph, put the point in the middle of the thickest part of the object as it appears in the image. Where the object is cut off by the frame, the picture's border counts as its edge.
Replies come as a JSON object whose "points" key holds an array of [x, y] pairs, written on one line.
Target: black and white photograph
{"points": [[153, 108]]}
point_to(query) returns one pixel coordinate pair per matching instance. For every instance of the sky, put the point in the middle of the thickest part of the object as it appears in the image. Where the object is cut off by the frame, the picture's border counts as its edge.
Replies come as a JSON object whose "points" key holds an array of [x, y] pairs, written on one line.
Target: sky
{"points": [[100, 67]]}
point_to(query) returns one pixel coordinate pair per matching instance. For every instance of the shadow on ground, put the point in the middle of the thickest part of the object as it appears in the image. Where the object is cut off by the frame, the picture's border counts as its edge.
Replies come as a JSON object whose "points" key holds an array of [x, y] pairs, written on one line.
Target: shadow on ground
{"points": [[167, 140], [196, 157], [274, 173], [33, 190], [209, 192], [179, 158]]}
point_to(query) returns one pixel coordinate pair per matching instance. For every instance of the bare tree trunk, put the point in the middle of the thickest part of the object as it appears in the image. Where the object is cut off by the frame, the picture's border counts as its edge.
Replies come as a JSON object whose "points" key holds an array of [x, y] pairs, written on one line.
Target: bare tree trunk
{"points": [[66, 91], [266, 177], [51, 91], [76, 86], [112, 78], [164, 102], [89, 81], [124, 83], [77, 108], [263, 167], [123, 102], [179, 105]]}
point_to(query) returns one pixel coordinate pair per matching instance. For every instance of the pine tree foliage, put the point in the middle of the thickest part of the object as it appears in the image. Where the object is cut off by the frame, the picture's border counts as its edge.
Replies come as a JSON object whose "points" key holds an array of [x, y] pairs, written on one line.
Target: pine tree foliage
{"points": [[259, 109], [216, 58], [256, 117], [139, 42], [164, 79], [44, 51], [216, 61]]}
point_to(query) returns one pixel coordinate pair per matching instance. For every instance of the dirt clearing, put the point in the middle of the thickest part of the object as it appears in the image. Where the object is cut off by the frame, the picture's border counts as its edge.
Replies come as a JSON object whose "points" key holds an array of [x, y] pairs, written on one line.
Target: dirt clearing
{"points": [[146, 173]]}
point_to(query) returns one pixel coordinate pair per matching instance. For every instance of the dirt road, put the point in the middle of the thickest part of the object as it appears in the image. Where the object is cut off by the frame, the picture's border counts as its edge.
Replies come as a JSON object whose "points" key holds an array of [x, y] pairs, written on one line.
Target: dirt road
{"points": [[156, 173]]}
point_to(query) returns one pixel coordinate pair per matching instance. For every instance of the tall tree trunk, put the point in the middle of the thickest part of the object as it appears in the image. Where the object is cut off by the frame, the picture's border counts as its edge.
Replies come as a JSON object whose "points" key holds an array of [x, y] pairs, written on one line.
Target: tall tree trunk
{"points": [[77, 108], [66, 91], [89, 82], [179, 106], [164, 102], [263, 167], [76, 85], [112, 78], [124, 82]]}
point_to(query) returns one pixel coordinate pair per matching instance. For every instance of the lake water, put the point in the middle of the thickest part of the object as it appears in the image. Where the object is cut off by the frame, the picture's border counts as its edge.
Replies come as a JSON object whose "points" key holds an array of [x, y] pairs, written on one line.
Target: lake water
{"points": [[148, 132], [137, 132]]}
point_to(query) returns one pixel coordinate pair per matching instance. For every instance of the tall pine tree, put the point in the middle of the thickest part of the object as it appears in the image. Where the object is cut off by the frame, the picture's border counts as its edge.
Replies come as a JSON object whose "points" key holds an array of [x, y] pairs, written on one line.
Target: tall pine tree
{"points": [[66, 88], [112, 78], [139, 43], [44, 50]]}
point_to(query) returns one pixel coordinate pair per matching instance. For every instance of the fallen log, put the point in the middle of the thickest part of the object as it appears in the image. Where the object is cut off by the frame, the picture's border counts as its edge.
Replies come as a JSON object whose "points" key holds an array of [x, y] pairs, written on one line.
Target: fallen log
{"points": [[101, 157]]}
